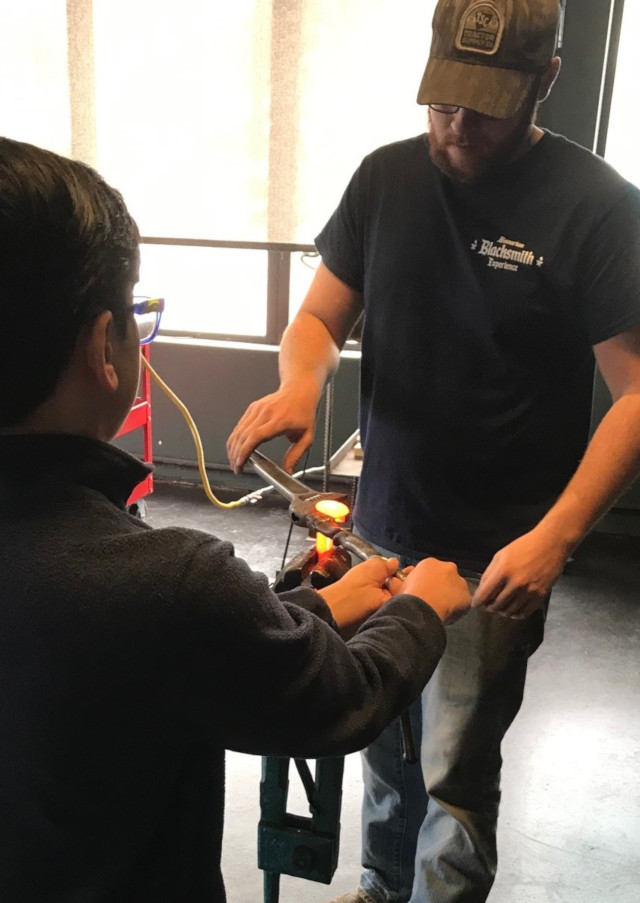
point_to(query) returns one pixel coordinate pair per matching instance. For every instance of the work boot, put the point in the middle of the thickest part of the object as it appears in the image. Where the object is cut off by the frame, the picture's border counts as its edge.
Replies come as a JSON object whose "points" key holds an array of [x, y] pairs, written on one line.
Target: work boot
{"points": [[355, 896]]}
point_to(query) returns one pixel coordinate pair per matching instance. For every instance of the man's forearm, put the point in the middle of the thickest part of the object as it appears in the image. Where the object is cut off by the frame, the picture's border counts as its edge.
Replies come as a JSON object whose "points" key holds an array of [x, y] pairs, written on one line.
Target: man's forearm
{"points": [[520, 575], [310, 348], [309, 355], [610, 464]]}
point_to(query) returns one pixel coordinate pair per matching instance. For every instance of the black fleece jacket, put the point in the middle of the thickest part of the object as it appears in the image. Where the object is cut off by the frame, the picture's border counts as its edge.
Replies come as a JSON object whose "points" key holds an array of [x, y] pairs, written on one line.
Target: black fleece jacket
{"points": [[130, 658]]}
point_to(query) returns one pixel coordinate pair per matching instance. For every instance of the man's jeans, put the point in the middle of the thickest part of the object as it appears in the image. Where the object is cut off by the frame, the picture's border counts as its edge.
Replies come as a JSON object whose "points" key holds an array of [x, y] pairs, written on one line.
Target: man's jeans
{"points": [[438, 845]]}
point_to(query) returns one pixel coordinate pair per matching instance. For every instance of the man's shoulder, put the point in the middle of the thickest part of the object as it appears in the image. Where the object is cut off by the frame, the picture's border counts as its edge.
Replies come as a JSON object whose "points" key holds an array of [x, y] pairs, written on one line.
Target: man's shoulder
{"points": [[586, 167]]}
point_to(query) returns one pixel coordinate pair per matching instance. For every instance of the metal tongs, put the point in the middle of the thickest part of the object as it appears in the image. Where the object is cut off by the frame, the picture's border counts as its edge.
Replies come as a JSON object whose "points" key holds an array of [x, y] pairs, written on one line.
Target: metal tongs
{"points": [[302, 508]]}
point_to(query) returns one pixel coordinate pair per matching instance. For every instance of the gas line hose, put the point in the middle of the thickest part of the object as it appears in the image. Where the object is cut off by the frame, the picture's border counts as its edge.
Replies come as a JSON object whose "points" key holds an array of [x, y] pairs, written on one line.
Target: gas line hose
{"points": [[238, 503]]}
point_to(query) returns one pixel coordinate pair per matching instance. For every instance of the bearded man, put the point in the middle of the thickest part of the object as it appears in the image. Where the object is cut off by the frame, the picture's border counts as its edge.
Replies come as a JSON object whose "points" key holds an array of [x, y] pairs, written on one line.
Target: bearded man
{"points": [[486, 258]]}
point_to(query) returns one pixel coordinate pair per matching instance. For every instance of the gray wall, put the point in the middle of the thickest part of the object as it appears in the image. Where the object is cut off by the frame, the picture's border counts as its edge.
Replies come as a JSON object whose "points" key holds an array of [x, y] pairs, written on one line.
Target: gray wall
{"points": [[216, 382], [572, 108]]}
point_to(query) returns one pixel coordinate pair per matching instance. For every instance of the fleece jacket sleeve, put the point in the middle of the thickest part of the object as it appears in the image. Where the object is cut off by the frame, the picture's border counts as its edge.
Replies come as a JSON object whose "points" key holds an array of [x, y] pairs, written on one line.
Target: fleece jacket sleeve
{"points": [[271, 675]]}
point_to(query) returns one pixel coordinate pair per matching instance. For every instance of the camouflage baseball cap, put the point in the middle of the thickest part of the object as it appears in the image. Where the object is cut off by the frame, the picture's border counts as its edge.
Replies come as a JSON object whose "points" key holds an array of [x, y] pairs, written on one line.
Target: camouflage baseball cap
{"points": [[486, 56]]}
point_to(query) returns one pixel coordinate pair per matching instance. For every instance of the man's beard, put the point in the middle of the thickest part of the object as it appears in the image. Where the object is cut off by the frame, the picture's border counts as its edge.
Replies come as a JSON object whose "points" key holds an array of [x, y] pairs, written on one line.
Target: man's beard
{"points": [[484, 164]]}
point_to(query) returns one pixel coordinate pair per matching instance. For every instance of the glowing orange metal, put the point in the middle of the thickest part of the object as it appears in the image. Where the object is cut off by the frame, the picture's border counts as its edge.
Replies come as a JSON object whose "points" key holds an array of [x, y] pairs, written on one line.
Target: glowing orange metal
{"points": [[339, 512]]}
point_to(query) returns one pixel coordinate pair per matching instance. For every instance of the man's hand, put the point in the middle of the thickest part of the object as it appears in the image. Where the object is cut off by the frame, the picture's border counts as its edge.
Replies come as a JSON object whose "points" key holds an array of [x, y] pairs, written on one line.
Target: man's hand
{"points": [[287, 412], [520, 576]]}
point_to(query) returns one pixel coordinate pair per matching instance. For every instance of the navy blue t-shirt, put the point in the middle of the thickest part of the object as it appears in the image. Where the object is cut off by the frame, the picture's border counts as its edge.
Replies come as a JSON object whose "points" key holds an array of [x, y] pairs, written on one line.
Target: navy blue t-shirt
{"points": [[482, 301]]}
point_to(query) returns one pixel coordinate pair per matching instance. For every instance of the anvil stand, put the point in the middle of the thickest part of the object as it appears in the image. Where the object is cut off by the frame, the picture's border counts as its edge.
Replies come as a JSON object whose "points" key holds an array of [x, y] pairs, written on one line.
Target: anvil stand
{"points": [[307, 846]]}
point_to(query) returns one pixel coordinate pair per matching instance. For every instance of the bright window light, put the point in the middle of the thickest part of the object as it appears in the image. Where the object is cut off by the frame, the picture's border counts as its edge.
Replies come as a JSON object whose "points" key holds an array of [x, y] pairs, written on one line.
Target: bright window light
{"points": [[207, 290], [240, 121], [622, 151], [182, 113], [34, 74], [244, 121]]}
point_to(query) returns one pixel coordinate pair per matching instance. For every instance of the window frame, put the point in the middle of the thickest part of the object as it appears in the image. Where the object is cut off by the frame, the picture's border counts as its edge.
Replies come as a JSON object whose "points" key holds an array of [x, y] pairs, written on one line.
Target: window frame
{"points": [[277, 288]]}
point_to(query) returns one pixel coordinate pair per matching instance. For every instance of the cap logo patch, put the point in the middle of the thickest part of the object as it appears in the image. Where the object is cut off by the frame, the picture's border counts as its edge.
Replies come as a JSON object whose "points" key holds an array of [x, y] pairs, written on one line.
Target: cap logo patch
{"points": [[481, 29]]}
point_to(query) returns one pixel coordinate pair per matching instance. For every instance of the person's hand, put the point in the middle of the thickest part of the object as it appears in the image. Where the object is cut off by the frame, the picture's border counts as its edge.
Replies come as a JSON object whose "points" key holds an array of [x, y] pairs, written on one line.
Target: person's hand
{"points": [[439, 584], [287, 412], [361, 592], [520, 576]]}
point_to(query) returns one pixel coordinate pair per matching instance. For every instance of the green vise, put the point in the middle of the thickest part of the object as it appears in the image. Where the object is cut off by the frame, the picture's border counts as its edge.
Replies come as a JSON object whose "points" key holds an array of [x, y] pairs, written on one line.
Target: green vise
{"points": [[304, 847]]}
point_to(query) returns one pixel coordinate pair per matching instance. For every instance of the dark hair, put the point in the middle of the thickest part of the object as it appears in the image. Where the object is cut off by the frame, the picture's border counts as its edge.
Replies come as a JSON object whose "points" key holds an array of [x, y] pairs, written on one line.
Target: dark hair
{"points": [[68, 251]]}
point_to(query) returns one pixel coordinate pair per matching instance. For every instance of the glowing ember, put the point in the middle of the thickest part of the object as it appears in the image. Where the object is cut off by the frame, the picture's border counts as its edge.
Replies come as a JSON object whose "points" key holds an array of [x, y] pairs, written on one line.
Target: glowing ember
{"points": [[338, 512]]}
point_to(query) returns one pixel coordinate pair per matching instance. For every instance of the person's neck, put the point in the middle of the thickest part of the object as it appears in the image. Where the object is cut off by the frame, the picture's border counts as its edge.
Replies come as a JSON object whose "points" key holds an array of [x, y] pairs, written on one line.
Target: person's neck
{"points": [[29, 428], [531, 138], [55, 416]]}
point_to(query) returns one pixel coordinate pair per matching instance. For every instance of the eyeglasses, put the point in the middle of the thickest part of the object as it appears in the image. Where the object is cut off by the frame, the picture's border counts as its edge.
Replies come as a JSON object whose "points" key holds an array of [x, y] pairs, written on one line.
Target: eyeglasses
{"points": [[147, 313], [450, 110], [446, 108]]}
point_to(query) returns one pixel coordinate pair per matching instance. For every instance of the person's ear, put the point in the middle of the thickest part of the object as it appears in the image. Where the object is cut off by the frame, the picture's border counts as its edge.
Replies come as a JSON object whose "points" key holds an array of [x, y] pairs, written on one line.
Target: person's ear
{"points": [[548, 79], [100, 352]]}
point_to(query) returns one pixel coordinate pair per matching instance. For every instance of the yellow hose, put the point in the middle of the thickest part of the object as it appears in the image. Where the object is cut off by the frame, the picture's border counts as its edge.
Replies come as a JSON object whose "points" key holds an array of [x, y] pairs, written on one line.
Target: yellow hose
{"points": [[196, 438]]}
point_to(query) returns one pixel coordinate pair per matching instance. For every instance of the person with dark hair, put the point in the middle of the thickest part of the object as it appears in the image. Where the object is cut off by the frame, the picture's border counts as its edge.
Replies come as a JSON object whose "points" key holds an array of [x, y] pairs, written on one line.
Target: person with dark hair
{"points": [[131, 657], [492, 260], [69, 249]]}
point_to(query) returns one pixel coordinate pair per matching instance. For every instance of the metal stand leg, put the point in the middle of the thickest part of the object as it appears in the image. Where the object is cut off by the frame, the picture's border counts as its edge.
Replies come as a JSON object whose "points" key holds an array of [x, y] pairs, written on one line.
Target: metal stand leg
{"points": [[271, 887], [304, 847]]}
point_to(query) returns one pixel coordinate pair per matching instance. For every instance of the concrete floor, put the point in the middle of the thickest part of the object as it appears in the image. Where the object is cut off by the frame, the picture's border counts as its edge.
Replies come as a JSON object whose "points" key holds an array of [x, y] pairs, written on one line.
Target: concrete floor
{"points": [[570, 819]]}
